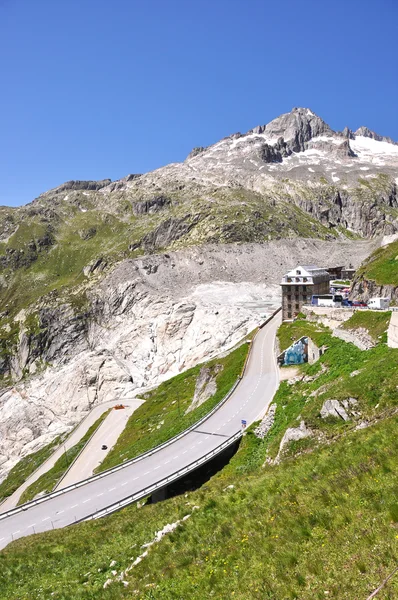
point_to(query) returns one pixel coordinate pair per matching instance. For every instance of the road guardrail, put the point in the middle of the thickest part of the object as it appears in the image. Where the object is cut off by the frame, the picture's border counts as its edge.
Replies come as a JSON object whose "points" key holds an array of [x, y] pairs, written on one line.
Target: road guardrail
{"points": [[163, 482], [47, 497]]}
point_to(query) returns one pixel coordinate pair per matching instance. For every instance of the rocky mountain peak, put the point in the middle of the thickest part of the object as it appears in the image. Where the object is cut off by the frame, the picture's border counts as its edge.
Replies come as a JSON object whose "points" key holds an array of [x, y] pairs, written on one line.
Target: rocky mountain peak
{"points": [[366, 132], [300, 125]]}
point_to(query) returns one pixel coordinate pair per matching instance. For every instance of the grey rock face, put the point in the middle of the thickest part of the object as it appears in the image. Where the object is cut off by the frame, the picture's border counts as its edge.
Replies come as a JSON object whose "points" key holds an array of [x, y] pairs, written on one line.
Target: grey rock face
{"points": [[206, 386], [196, 151], [299, 126], [150, 206], [339, 410], [83, 185], [333, 408], [96, 265], [293, 434], [266, 424], [360, 337], [365, 132], [169, 231]]}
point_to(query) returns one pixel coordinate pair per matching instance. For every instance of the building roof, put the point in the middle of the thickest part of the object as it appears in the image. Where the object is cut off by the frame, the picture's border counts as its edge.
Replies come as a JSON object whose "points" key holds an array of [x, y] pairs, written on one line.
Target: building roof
{"points": [[308, 270], [314, 274]]}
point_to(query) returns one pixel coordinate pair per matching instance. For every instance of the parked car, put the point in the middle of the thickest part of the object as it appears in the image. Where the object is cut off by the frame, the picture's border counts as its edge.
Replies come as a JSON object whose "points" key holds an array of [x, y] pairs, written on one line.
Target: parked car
{"points": [[359, 304], [104, 447], [347, 302]]}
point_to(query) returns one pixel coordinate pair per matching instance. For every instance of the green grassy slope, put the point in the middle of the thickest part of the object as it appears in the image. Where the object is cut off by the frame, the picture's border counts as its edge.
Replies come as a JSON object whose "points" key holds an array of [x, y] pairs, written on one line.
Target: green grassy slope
{"points": [[26, 467], [325, 519], [376, 323], [162, 416], [48, 480], [381, 266]]}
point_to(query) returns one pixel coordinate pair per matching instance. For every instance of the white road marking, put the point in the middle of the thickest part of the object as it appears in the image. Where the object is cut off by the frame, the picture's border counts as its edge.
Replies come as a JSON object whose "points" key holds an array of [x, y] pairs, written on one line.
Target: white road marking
{"points": [[60, 512], [46, 519], [101, 494], [125, 483], [74, 506], [111, 489], [15, 532], [88, 500]]}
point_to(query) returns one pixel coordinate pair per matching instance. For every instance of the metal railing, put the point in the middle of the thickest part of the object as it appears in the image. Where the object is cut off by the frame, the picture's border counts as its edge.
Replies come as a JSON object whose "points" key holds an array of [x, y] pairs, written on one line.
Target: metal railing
{"points": [[127, 463], [163, 482], [158, 485]]}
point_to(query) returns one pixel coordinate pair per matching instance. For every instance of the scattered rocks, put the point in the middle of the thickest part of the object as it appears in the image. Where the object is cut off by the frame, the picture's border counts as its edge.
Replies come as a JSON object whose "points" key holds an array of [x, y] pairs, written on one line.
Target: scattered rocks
{"points": [[340, 410], [355, 373], [359, 337], [267, 422]]}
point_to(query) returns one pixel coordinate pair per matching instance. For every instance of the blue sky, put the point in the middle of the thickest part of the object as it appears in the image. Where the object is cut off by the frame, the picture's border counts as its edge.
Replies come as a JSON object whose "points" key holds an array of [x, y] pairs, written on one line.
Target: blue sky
{"points": [[92, 89]]}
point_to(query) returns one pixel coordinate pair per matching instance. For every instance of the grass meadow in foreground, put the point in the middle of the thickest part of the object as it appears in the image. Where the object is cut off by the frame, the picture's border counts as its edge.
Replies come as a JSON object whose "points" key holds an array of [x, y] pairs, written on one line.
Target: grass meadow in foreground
{"points": [[322, 523], [48, 480], [325, 521]]}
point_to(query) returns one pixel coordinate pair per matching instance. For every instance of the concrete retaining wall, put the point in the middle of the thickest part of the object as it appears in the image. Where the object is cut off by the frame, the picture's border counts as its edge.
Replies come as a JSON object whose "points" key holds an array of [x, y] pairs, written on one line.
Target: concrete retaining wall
{"points": [[392, 333]]}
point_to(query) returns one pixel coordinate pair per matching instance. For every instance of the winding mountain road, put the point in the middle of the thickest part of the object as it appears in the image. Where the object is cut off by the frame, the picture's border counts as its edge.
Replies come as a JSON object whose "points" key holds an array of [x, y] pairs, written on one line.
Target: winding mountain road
{"points": [[249, 401]]}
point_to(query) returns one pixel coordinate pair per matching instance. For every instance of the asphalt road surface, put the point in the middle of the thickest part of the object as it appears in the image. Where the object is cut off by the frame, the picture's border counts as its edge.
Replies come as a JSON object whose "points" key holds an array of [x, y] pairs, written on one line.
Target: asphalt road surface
{"points": [[74, 438], [93, 455], [249, 401]]}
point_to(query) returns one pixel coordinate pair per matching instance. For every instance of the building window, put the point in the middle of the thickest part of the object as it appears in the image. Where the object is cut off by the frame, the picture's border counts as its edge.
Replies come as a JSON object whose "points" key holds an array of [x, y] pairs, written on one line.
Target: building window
{"points": [[297, 306], [304, 288], [289, 315], [289, 306], [298, 272], [289, 296]]}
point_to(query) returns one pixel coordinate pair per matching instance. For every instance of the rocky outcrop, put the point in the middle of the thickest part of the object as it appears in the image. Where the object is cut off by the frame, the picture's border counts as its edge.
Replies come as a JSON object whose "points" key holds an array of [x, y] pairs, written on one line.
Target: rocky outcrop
{"points": [[364, 289], [298, 127], [266, 423], [359, 337], [205, 387], [293, 434], [195, 151], [365, 132], [169, 231], [82, 185], [151, 206], [339, 410]]}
